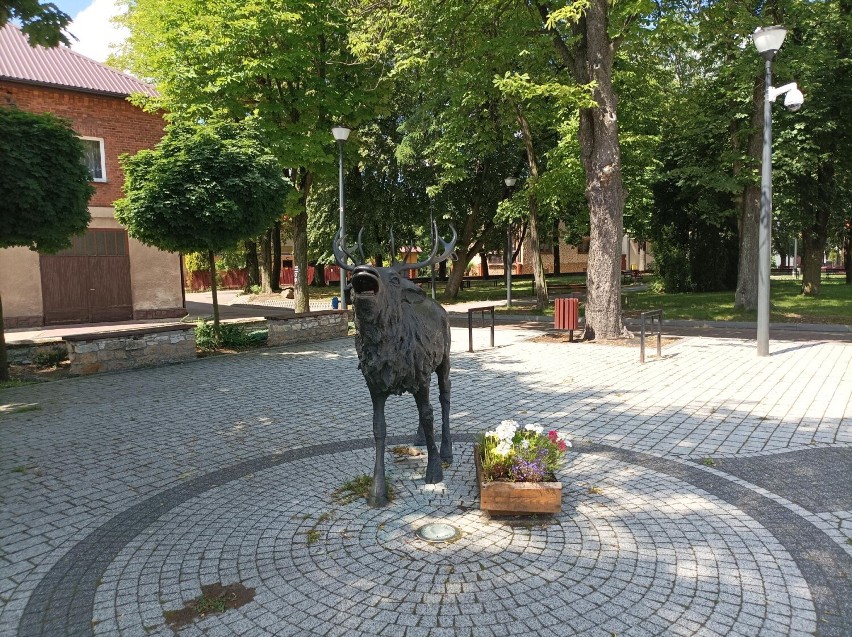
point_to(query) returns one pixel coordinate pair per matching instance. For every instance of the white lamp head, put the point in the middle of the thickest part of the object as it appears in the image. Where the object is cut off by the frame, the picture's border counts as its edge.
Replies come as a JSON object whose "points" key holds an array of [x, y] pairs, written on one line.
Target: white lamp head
{"points": [[768, 40], [341, 133], [510, 181]]}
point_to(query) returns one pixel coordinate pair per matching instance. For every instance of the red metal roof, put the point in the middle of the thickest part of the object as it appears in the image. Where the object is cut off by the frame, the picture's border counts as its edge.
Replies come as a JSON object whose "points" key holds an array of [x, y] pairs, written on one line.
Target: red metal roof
{"points": [[61, 67]]}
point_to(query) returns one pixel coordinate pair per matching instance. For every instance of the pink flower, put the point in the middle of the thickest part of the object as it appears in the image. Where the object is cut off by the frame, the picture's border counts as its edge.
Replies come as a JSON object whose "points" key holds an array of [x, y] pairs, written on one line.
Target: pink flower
{"points": [[561, 445], [553, 435]]}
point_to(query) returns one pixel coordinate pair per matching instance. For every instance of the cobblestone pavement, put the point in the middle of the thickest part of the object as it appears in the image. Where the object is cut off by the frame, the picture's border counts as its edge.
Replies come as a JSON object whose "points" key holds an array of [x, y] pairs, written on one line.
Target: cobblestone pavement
{"points": [[708, 494]]}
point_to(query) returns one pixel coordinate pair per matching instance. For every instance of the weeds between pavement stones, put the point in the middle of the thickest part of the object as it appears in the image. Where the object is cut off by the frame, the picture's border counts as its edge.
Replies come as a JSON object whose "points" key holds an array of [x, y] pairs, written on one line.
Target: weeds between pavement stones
{"points": [[356, 488], [214, 598]]}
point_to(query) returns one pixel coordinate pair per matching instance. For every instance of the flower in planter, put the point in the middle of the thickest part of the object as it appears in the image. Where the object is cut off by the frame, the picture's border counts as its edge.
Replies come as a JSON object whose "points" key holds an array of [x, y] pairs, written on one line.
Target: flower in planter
{"points": [[513, 454]]}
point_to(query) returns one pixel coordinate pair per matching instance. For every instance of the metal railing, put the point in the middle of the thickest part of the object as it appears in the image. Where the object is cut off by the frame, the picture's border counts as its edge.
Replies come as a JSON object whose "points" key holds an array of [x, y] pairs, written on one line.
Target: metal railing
{"points": [[651, 315]]}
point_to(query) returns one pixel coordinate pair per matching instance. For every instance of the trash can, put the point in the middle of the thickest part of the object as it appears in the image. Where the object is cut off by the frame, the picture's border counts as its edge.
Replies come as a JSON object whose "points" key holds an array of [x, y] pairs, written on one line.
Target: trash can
{"points": [[566, 314], [335, 303]]}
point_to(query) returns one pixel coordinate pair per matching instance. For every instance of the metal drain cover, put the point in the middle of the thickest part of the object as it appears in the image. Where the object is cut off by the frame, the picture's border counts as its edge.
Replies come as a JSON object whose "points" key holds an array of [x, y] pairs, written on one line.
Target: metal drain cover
{"points": [[438, 532]]}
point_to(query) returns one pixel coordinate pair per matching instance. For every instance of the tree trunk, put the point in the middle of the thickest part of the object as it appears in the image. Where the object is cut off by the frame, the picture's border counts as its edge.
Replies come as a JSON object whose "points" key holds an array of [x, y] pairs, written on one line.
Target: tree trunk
{"points": [[541, 299], [483, 264], [319, 275], [847, 258], [557, 258], [520, 242], [275, 265], [442, 270], [748, 221], [590, 57], [252, 265], [814, 238], [303, 179], [300, 261], [213, 292], [4, 363], [812, 251], [466, 248], [601, 157], [266, 262]]}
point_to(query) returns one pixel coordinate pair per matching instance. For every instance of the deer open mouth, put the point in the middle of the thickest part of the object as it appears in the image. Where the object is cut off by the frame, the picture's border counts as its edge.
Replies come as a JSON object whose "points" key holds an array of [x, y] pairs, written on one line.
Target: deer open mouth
{"points": [[365, 283]]}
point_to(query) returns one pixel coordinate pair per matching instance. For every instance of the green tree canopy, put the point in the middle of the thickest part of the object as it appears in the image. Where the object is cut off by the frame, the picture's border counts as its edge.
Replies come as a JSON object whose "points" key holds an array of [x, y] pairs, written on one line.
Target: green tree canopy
{"points": [[44, 190], [203, 188], [42, 22]]}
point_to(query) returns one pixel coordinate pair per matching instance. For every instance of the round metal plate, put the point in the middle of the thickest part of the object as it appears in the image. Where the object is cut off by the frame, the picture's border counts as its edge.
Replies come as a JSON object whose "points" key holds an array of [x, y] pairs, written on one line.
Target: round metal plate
{"points": [[438, 532]]}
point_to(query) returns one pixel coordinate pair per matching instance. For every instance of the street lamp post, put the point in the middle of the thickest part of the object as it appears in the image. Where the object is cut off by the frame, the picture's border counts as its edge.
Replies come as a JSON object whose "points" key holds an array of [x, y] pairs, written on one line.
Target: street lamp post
{"points": [[768, 41], [341, 134], [510, 183]]}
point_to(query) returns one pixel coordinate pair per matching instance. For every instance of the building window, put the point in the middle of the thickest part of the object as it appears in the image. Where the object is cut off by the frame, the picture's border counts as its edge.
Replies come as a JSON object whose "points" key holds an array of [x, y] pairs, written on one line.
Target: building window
{"points": [[97, 243], [94, 157], [583, 246]]}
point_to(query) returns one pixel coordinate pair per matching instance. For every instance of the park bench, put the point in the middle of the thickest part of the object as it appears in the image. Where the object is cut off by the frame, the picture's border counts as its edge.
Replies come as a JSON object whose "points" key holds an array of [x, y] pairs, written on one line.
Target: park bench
{"points": [[466, 281], [558, 289]]}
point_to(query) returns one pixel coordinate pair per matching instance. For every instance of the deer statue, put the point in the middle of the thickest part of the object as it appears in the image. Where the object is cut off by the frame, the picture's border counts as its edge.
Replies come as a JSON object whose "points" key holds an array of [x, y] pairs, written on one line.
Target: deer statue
{"points": [[403, 337]]}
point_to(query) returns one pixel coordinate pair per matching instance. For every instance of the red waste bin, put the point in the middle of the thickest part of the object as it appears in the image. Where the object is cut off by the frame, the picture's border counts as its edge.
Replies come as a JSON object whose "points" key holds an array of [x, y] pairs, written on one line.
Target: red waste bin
{"points": [[567, 314]]}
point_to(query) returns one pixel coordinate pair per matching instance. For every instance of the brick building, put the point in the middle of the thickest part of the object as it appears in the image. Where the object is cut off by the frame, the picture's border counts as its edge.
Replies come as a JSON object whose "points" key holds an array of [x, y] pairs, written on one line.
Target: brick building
{"points": [[105, 276]]}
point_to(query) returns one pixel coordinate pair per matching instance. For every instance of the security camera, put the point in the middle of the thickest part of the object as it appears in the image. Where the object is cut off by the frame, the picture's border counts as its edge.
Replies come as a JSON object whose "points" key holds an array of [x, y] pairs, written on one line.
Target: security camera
{"points": [[793, 100]]}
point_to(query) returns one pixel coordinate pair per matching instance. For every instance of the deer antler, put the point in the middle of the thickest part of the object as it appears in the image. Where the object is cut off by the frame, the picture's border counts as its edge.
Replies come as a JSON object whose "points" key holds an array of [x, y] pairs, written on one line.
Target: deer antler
{"points": [[448, 247], [342, 254]]}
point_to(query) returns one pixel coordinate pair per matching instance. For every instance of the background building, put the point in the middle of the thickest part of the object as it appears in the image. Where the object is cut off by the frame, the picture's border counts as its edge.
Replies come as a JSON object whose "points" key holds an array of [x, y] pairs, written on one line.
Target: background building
{"points": [[105, 276]]}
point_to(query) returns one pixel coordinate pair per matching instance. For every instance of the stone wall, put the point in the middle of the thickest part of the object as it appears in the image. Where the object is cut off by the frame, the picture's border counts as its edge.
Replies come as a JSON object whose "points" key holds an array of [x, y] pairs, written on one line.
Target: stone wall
{"points": [[111, 351], [308, 328], [34, 352]]}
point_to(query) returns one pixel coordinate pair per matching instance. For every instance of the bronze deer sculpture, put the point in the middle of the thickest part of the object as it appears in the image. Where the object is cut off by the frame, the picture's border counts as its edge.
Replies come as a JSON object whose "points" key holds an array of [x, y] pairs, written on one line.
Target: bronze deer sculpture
{"points": [[403, 336]]}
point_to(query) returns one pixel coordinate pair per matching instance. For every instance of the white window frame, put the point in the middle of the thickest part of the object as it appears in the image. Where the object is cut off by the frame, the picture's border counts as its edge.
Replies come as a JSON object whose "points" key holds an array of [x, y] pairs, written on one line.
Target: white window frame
{"points": [[100, 141]]}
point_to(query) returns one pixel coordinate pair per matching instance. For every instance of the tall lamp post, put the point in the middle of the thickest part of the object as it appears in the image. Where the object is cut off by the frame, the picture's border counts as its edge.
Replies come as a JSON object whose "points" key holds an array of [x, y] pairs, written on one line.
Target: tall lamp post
{"points": [[510, 183], [341, 134], [768, 41]]}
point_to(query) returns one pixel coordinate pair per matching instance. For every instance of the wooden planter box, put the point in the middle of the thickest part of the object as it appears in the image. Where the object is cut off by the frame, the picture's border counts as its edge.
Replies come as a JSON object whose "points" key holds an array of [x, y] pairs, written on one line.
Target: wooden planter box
{"points": [[517, 498]]}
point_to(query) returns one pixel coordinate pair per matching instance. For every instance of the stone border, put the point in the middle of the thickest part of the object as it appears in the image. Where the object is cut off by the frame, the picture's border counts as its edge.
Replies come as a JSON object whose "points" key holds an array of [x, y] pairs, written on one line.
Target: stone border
{"points": [[307, 327], [135, 331], [114, 351], [62, 603]]}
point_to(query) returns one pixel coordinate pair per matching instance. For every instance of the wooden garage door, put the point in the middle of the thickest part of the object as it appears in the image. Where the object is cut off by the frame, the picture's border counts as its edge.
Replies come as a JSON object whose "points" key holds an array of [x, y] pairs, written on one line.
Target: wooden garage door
{"points": [[89, 282]]}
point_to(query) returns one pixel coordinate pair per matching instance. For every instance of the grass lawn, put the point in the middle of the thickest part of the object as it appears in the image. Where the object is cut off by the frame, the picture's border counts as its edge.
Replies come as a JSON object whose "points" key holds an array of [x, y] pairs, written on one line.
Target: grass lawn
{"points": [[834, 305]]}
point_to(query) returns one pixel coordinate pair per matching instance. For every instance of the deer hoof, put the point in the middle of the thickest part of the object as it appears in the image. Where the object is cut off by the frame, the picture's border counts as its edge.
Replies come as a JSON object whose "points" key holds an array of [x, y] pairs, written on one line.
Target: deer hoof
{"points": [[378, 496], [434, 474]]}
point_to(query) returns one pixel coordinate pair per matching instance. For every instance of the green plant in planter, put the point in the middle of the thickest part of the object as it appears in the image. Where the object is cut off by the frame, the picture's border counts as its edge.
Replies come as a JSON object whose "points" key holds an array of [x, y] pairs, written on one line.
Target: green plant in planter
{"points": [[513, 454]]}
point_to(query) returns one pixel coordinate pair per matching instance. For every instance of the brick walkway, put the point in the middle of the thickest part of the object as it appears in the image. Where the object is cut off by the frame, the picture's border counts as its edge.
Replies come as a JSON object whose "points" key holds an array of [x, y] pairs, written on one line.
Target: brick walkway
{"points": [[708, 494]]}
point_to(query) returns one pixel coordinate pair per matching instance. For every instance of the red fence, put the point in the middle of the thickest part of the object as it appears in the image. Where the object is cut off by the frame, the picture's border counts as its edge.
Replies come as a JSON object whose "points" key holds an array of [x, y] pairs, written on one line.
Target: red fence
{"points": [[237, 279]]}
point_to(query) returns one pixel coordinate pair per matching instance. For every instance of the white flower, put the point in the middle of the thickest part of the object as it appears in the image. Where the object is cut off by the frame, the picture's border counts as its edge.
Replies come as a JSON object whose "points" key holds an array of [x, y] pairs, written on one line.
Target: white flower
{"points": [[525, 444], [491, 434], [506, 430], [503, 448], [535, 428]]}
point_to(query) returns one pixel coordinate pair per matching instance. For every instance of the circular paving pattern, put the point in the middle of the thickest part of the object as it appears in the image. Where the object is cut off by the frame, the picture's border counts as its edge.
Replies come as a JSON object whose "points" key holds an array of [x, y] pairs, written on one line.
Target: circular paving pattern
{"points": [[634, 552]]}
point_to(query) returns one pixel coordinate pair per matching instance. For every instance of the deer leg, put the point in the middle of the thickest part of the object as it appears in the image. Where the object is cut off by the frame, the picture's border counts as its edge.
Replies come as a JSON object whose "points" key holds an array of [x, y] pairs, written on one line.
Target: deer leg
{"points": [[444, 397], [434, 473], [379, 489]]}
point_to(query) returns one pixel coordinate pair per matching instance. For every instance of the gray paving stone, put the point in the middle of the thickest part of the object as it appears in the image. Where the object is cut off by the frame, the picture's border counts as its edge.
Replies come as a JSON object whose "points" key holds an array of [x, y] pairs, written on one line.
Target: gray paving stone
{"points": [[207, 489]]}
